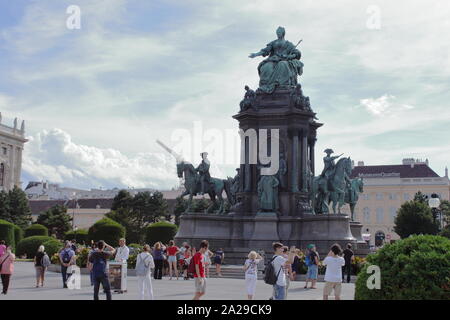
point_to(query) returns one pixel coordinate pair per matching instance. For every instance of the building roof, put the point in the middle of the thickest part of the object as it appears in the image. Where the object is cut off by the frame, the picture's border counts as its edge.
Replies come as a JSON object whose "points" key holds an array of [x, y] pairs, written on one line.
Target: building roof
{"points": [[38, 206], [404, 171]]}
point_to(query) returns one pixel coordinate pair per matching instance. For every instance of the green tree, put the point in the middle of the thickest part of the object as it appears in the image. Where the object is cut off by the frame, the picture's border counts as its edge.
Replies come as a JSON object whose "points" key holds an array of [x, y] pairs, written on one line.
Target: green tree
{"points": [[420, 197], [445, 211], [180, 206], [56, 220], [122, 200], [124, 216], [4, 206], [414, 217], [20, 212]]}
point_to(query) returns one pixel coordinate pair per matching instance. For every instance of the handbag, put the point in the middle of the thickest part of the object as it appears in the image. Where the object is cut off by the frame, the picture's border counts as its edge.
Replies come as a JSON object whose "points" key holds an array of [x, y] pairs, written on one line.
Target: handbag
{"points": [[1, 264]]}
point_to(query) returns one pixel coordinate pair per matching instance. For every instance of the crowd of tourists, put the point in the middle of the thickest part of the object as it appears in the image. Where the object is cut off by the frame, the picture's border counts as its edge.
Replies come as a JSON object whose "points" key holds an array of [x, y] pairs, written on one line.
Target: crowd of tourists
{"points": [[190, 262]]}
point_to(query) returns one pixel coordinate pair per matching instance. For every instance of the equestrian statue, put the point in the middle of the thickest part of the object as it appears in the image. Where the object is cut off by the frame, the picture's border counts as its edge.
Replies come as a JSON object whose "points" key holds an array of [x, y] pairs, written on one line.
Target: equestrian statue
{"points": [[198, 181]]}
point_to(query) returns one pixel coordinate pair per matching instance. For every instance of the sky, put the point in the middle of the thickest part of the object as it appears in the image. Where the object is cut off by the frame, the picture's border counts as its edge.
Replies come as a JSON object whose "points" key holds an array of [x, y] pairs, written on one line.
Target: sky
{"points": [[96, 98]]}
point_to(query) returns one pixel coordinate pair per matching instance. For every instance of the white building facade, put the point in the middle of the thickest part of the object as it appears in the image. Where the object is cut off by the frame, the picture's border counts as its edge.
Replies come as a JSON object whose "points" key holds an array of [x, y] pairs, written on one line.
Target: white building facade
{"points": [[12, 140]]}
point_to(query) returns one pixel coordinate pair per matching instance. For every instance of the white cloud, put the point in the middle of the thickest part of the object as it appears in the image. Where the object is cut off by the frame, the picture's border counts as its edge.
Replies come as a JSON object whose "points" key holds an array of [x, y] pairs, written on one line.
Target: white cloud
{"points": [[53, 156], [384, 105]]}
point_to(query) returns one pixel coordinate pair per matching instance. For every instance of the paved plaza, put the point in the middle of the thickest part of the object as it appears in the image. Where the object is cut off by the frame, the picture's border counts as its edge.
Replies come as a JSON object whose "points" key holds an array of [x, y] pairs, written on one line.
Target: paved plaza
{"points": [[23, 288]]}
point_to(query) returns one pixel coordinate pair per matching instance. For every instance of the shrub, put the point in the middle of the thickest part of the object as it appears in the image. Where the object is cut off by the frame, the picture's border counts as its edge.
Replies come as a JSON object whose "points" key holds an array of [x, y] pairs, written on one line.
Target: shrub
{"points": [[18, 235], [82, 257], [160, 231], [107, 230], [415, 268], [81, 236], [36, 230], [30, 245], [131, 262], [7, 233], [52, 246], [446, 231], [414, 217]]}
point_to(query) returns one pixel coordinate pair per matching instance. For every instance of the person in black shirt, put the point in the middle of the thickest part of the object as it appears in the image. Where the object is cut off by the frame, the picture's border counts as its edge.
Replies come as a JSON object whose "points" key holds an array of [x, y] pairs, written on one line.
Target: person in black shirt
{"points": [[99, 260], [349, 257]]}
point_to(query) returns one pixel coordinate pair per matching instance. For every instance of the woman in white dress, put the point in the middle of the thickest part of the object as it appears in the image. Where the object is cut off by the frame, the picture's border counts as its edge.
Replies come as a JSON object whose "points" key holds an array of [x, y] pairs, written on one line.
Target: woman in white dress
{"points": [[251, 273], [144, 264]]}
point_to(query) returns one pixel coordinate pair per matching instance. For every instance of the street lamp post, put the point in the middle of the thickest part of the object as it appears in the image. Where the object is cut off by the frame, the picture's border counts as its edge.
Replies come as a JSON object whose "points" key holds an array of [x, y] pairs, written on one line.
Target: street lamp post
{"points": [[434, 204]]}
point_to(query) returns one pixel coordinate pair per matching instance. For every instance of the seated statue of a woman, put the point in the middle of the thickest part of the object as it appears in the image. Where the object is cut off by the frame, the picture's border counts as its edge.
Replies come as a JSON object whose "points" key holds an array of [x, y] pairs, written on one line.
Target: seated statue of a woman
{"points": [[283, 65]]}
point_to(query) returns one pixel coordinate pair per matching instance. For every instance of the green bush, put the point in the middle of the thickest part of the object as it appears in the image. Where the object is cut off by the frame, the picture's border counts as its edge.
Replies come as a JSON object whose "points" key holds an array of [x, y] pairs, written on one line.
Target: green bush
{"points": [[415, 268], [52, 246], [160, 231], [7, 233], [81, 236], [107, 230], [82, 257], [30, 245], [18, 235], [446, 231], [36, 230]]}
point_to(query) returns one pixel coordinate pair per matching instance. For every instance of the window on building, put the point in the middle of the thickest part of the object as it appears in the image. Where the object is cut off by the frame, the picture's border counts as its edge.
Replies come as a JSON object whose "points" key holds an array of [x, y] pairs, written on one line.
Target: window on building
{"points": [[380, 215], [366, 196], [366, 213], [379, 196], [406, 197], [393, 213], [392, 196]]}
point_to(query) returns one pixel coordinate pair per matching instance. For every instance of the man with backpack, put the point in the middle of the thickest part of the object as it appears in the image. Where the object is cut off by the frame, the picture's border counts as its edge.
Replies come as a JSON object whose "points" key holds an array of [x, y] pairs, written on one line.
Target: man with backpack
{"points": [[99, 260], [66, 257], [274, 273], [312, 262]]}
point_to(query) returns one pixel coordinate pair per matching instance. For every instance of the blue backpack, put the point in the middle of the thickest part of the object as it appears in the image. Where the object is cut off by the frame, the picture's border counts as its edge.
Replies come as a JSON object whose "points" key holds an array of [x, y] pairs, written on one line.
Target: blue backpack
{"points": [[66, 256], [308, 261], [99, 267]]}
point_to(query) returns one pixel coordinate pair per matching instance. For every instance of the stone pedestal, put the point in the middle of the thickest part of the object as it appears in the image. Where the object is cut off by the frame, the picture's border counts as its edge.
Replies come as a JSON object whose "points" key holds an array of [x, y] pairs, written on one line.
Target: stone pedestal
{"points": [[362, 248], [265, 232]]}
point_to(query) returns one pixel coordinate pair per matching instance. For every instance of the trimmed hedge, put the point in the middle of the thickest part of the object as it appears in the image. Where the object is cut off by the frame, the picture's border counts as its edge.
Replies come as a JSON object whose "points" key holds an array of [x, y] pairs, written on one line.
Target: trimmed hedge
{"points": [[36, 230], [18, 235], [415, 268], [30, 245], [160, 231], [7, 233], [81, 236], [108, 230], [52, 246]]}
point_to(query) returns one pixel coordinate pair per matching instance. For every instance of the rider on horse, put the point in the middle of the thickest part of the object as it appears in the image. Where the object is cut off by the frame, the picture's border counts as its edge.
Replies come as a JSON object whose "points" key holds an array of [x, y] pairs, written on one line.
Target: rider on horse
{"points": [[203, 170], [329, 164]]}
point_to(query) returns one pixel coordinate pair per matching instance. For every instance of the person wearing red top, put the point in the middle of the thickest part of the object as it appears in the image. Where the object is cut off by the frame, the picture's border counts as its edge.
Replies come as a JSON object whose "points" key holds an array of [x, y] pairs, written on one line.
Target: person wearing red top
{"points": [[199, 275], [172, 251]]}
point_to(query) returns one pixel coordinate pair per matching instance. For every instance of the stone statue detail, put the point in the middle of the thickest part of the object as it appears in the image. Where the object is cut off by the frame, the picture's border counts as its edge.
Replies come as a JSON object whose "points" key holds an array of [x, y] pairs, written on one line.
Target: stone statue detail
{"points": [[235, 186], [351, 194], [329, 187], [283, 65], [203, 170], [268, 193], [298, 100], [249, 99], [192, 182], [282, 170]]}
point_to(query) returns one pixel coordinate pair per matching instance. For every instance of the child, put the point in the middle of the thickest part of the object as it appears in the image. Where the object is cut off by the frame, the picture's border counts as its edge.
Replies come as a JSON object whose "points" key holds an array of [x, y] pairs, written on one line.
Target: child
{"points": [[333, 273], [251, 273]]}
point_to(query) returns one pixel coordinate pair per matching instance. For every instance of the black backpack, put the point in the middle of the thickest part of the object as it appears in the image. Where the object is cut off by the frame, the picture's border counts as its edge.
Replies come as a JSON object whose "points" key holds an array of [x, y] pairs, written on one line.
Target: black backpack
{"points": [[269, 273]]}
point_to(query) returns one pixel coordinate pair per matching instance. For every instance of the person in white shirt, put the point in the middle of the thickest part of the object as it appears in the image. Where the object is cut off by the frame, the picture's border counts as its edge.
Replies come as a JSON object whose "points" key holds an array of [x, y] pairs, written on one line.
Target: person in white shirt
{"points": [[122, 252], [144, 264], [333, 273], [279, 262], [251, 273]]}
